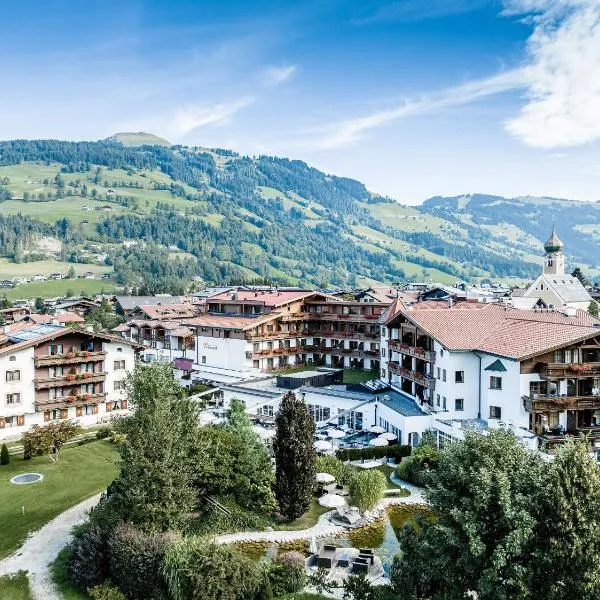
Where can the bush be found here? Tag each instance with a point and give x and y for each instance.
(4, 455)
(335, 467)
(136, 560)
(287, 574)
(88, 557)
(395, 451)
(417, 467)
(367, 488)
(103, 433)
(195, 568)
(105, 591)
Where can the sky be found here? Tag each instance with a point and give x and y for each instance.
(416, 98)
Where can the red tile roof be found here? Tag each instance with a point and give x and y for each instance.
(66, 317)
(493, 328)
(169, 311)
(268, 298)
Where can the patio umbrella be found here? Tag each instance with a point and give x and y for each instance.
(336, 434)
(331, 501)
(325, 478)
(323, 445)
(376, 429)
(378, 442)
(388, 435)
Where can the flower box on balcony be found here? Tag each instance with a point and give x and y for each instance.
(404, 346)
(87, 375)
(70, 354)
(71, 399)
(71, 377)
(419, 350)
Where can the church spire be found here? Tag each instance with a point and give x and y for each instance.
(553, 244)
(554, 262)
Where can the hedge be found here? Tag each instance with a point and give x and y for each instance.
(397, 451)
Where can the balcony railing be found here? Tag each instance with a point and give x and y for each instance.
(342, 335)
(68, 358)
(66, 401)
(551, 439)
(66, 380)
(416, 376)
(543, 403)
(330, 316)
(572, 370)
(416, 351)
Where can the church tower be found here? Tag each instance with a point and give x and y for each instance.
(554, 261)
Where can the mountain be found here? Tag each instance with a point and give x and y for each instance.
(138, 139)
(164, 215)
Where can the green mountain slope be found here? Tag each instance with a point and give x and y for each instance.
(140, 138)
(161, 216)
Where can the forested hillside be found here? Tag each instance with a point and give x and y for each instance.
(164, 215)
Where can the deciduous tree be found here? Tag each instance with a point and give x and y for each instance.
(49, 438)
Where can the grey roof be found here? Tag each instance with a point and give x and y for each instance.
(566, 287)
(32, 333)
(250, 390)
(401, 403)
(336, 391)
(131, 302)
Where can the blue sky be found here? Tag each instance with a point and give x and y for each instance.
(414, 97)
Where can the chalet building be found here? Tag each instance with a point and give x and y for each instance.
(50, 373)
(243, 333)
(474, 365)
(13, 314)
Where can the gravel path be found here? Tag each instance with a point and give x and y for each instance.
(42, 547)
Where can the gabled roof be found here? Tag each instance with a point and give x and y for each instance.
(168, 311)
(496, 366)
(270, 298)
(500, 330)
(566, 287)
(66, 317)
(130, 302)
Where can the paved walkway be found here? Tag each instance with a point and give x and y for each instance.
(42, 547)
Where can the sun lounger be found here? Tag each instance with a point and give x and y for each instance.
(360, 565)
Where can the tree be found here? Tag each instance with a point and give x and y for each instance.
(593, 309)
(484, 494)
(49, 438)
(367, 488)
(577, 272)
(567, 557)
(153, 490)
(295, 457)
(4, 455)
(195, 568)
(103, 318)
(71, 272)
(40, 305)
(358, 587)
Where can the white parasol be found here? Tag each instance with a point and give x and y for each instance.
(378, 442)
(331, 501)
(323, 445)
(376, 429)
(325, 478)
(388, 435)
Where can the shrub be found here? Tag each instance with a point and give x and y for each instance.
(105, 591)
(195, 568)
(88, 557)
(395, 451)
(417, 467)
(102, 433)
(136, 560)
(367, 488)
(287, 574)
(4, 455)
(335, 467)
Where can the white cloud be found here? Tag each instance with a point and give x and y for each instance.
(278, 75)
(190, 117)
(350, 131)
(562, 73)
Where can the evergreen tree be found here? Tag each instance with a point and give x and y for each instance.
(577, 272)
(295, 457)
(4, 455)
(593, 309)
(153, 490)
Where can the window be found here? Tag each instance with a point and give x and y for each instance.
(13, 375)
(88, 409)
(459, 404)
(442, 352)
(437, 399)
(256, 347)
(256, 364)
(87, 388)
(204, 360)
(459, 376)
(12, 359)
(119, 385)
(56, 371)
(443, 402)
(495, 383)
(13, 398)
(495, 412)
(55, 349)
(119, 349)
(55, 393)
(444, 375)
(438, 372)
(383, 352)
(119, 365)
(382, 373)
(87, 346)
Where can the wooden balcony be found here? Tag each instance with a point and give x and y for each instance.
(67, 380)
(66, 401)
(342, 335)
(541, 403)
(278, 351)
(69, 358)
(569, 371)
(416, 351)
(551, 441)
(331, 316)
(416, 376)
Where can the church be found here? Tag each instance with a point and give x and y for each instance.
(553, 287)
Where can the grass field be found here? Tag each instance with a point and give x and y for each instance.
(353, 376)
(10, 269)
(54, 289)
(308, 519)
(81, 472)
(14, 587)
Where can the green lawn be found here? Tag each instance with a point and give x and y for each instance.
(308, 519)
(81, 472)
(353, 376)
(15, 587)
(10, 269)
(53, 289)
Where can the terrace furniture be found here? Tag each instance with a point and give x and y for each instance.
(365, 550)
(326, 557)
(360, 565)
(370, 558)
(343, 560)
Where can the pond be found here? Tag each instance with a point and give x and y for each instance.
(26, 478)
(382, 536)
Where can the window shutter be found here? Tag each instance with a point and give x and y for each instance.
(78, 411)
(123, 404)
(21, 420)
(94, 409)
(108, 407)
(2, 423)
(46, 416)
(64, 413)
